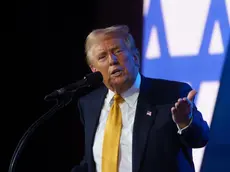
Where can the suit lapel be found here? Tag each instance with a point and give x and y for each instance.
(97, 102)
(144, 119)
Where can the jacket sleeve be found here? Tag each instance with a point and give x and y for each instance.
(197, 134)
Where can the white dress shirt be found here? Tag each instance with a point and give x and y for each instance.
(128, 109)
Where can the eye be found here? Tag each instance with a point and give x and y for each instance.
(101, 57)
(117, 51)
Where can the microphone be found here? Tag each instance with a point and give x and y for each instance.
(90, 80)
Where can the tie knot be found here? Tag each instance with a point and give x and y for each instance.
(118, 98)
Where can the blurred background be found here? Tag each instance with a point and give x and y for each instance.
(43, 50)
(188, 41)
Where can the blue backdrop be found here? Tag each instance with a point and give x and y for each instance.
(186, 40)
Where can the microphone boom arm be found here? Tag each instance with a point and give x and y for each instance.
(63, 101)
(63, 97)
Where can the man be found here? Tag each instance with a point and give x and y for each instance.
(133, 123)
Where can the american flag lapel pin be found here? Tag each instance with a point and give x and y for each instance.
(149, 113)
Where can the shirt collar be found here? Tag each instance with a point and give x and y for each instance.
(130, 96)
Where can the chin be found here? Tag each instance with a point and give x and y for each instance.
(118, 81)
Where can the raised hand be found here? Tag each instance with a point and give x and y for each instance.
(181, 112)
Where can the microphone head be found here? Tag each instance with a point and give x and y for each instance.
(94, 79)
(91, 80)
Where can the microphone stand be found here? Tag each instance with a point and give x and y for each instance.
(61, 102)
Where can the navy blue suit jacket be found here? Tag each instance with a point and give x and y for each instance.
(157, 147)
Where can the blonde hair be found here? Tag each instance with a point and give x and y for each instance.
(114, 31)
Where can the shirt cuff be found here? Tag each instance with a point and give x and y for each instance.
(180, 130)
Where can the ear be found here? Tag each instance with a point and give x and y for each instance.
(136, 57)
(93, 69)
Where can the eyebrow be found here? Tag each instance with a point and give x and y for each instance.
(114, 47)
(102, 51)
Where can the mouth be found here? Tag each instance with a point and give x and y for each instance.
(116, 72)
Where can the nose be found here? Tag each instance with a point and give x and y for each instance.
(113, 60)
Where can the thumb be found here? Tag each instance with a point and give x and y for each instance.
(191, 95)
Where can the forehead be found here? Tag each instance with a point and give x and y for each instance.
(108, 43)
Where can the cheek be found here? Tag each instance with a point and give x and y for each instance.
(104, 73)
(128, 64)
(103, 69)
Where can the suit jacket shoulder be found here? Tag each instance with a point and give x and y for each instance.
(93, 94)
(164, 91)
(91, 100)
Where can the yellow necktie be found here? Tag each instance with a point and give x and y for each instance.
(110, 150)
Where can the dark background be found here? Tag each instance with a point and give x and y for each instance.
(42, 47)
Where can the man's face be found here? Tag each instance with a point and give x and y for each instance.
(116, 62)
